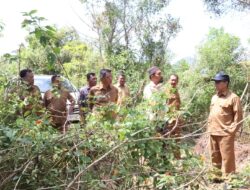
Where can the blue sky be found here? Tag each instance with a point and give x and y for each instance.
(194, 19)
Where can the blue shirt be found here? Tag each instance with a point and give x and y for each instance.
(84, 91)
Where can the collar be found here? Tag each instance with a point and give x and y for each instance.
(28, 86)
(118, 85)
(104, 88)
(155, 85)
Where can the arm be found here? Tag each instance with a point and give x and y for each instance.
(178, 101)
(146, 93)
(91, 99)
(80, 99)
(38, 93)
(116, 100)
(238, 116)
(45, 100)
(128, 92)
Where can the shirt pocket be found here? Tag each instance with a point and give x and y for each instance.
(226, 109)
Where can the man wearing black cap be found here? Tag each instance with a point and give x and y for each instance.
(105, 92)
(224, 121)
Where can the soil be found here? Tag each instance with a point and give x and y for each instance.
(242, 149)
(242, 154)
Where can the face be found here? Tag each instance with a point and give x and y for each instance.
(121, 80)
(156, 78)
(107, 80)
(29, 78)
(93, 80)
(173, 80)
(221, 86)
(57, 82)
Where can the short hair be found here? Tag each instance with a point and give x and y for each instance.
(24, 72)
(177, 77)
(53, 78)
(121, 73)
(104, 72)
(152, 71)
(89, 75)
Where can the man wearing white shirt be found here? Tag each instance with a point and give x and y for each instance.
(155, 83)
(152, 89)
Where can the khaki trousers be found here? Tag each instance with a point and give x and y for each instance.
(222, 153)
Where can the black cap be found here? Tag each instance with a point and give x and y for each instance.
(152, 70)
(221, 76)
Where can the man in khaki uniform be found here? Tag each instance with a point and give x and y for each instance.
(104, 93)
(174, 104)
(123, 90)
(174, 101)
(224, 121)
(29, 93)
(55, 100)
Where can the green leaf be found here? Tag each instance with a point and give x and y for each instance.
(32, 12)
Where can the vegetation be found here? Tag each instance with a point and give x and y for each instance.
(126, 152)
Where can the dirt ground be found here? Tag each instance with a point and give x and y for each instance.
(242, 149)
(242, 154)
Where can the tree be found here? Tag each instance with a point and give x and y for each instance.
(219, 51)
(48, 58)
(219, 7)
(50, 48)
(140, 27)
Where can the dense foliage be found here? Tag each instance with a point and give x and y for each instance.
(126, 152)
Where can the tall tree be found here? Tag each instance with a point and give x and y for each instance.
(220, 7)
(222, 51)
(141, 27)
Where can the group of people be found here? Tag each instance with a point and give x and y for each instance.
(54, 100)
(224, 120)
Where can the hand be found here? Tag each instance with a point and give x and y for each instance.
(232, 130)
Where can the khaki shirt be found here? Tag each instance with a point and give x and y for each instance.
(174, 103)
(31, 96)
(174, 100)
(56, 102)
(100, 96)
(123, 94)
(225, 114)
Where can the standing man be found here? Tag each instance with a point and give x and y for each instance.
(55, 100)
(155, 84)
(29, 93)
(123, 90)
(174, 104)
(224, 121)
(84, 92)
(104, 93)
(153, 88)
(174, 100)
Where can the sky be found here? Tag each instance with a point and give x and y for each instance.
(194, 19)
